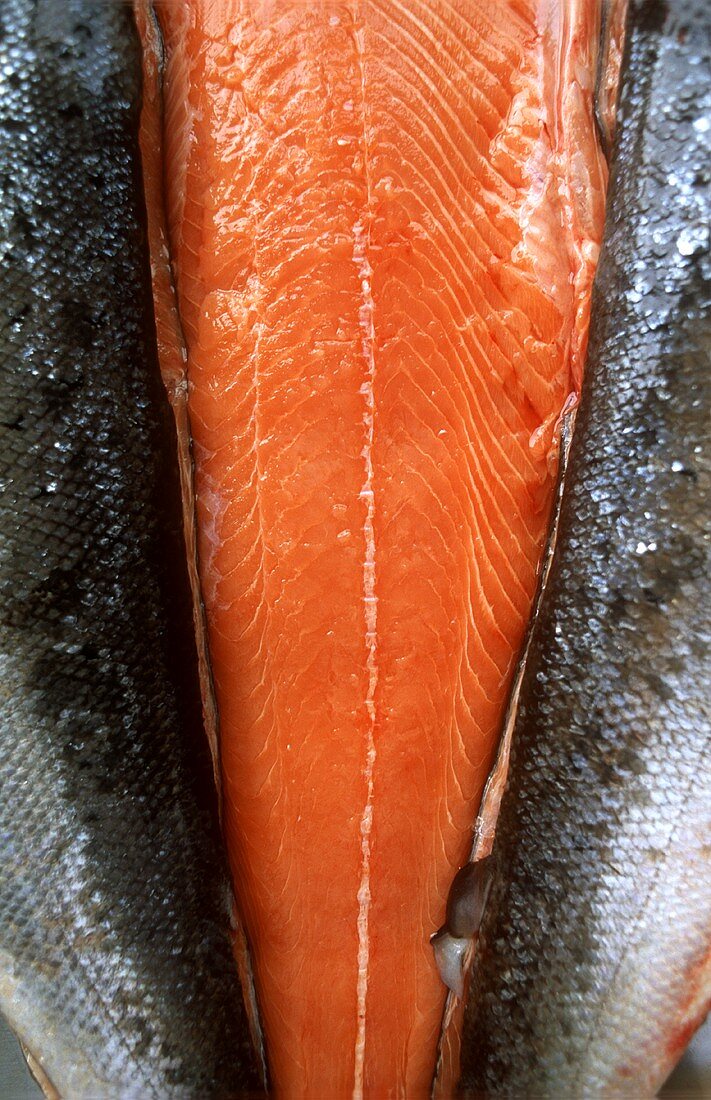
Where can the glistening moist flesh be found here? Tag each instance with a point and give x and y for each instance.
(383, 263)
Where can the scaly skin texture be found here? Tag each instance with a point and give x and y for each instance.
(115, 960)
(592, 968)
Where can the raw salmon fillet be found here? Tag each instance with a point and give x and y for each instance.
(382, 220)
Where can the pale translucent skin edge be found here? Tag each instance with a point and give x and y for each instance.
(39, 1075)
(31, 1022)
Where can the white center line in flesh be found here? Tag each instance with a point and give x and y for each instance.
(361, 242)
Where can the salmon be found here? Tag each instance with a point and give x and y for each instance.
(381, 223)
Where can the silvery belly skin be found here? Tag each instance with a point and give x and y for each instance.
(116, 968)
(592, 968)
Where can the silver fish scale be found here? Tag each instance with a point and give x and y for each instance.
(116, 967)
(592, 968)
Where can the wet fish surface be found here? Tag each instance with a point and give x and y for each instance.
(383, 250)
(116, 968)
(592, 968)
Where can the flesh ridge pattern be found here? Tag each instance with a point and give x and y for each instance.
(383, 220)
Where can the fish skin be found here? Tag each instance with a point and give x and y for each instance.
(115, 960)
(592, 968)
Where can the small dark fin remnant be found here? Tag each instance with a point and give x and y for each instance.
(465, 908)
(467, 898)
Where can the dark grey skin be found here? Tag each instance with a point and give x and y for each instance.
(116, 968)
(592, 965)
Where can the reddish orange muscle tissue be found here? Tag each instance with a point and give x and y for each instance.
(381, 220)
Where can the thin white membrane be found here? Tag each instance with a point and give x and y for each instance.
(366, 317)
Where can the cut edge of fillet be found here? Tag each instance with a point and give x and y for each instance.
(172, 355)
(563, 29)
